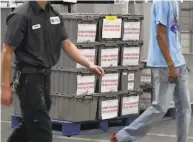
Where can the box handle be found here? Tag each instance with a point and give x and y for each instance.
(79, 97)
(84, 97)
(88, 97)
(112, 69)
(83, 71)
(111, 95)
(64, 69)
(65, 95)
(133, 43)
(88, 45)
(133, 17)
(89, 19)
(110, 44)
(93, 18)
(129, 68)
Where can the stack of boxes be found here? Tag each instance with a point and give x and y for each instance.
(111, 41)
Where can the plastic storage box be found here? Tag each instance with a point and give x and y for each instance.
(129, 103)
(130, 80)
(87, 50)
(132, 25)
(110, 81)
(108, 54)
(130, 53)
(81, 27)
(73, 108)
(61, 106)
(68, 107)
(108, 106)
(68, 81)
(110, 28)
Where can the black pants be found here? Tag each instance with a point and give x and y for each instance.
(35, 103)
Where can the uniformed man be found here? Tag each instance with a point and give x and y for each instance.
(35, 33)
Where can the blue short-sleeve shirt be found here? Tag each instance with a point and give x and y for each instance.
(166, 13)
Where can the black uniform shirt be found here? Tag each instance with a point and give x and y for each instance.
(36, 34)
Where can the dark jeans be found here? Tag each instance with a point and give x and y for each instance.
(35, 103)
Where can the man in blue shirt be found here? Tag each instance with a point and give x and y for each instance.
(170, 76)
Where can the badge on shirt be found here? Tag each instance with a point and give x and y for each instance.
(55, 20)
(37, 26)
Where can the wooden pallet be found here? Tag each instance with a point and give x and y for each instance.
(67, 128)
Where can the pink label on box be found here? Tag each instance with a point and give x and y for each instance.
(109, 57)
(130, 105)
(86, 33)
(85, 85)
(131, 56)
(131, 31)
(109, 109)
(109, 82)
(111, 28)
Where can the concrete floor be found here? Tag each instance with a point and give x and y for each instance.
(162, 132)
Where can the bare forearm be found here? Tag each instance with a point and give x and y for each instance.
(74, 54)
(6, 65)
(164, 49)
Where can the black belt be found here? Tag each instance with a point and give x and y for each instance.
(31, 70)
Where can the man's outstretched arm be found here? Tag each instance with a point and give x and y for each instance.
(74, 54)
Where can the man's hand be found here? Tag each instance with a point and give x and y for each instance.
(96, 70)
(172, 75)
(6, 97)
